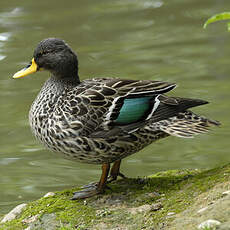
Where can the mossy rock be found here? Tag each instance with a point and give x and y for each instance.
(166, 200)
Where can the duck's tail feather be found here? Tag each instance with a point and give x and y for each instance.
(186, 124)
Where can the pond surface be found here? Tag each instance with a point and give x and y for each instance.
(148, 39)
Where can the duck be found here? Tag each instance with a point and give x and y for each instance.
(103, 120)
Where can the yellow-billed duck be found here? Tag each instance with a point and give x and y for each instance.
(103, 120)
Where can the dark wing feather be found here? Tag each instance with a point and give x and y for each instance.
(106, 98)
(170, 106)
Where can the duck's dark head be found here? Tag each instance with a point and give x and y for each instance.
(54, 55)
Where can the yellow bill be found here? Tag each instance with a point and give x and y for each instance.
(32, 68)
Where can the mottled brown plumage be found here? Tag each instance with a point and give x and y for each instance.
(103, 120)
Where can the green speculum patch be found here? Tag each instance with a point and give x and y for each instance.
(133, 110)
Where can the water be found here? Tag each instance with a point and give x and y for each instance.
(148, 39)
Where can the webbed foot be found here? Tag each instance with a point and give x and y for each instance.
(94, 188)
(89, 191)
(114, 177)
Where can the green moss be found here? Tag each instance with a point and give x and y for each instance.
(67, 211)
(175, 190)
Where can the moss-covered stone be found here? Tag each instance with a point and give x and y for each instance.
(159, 201)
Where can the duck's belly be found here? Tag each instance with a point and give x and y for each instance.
(85, 149)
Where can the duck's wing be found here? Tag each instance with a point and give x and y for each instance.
(119, 105)
(111, 107)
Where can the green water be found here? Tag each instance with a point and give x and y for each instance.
(147, 39)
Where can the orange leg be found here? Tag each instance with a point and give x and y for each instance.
(104, 176)
(94, 189)
(115, 171)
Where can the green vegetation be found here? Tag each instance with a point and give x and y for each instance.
(141, 203)
(219, 17)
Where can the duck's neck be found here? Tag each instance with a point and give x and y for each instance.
(64, 81)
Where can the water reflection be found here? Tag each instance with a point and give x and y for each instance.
(148, 39)
(7, 18)
(6, 161)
